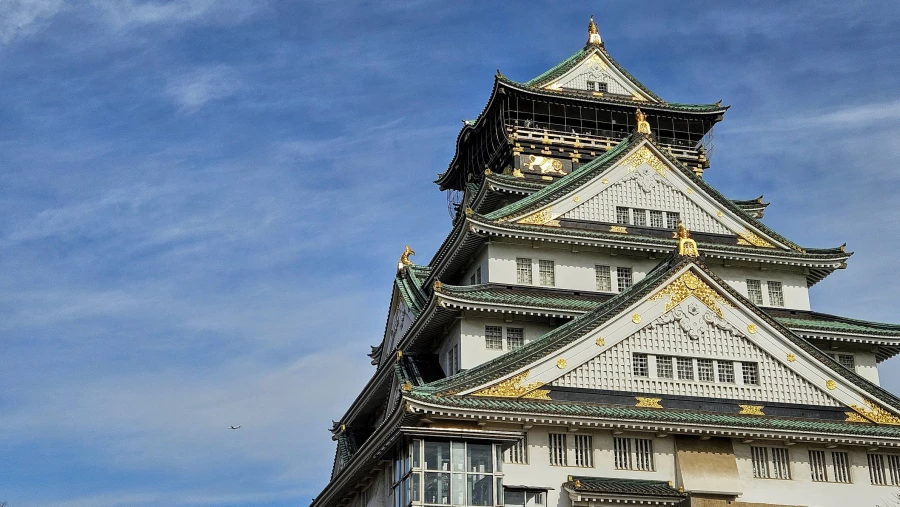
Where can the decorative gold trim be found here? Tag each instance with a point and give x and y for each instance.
(561, 363)
(469, 212)
(404, 257)
(618, 228)
(831, 384)
(576, 198)
(751, 238)
(437, 286)
(791, 358)
(604, 181)
(642, 125)
(686, 246)
(636, 318)
(513, 387)
(407, 386)
(751, 410)
(644, 155)
(854, 417)
(648, 402)
(600, 342)
(542, 217)
(690, 284)
(718, 213)
(876, 413)
(752, 329)
(517, 173)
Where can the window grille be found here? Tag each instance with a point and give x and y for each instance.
(591, 85)
(847, 361)
(456, 367)
(781, 463)
(817, 467)
(640, 216)
(643, 454)
(884, 469)
(664, 367)
(750, 372)
(633, 453)
(726, 371)
(451, 360)
(584, 451)
(518, 453)
(523, 271)
(478, 275)
(623, 278)
(754, 291)
(770, 462)
(604, 280)
(602, 87)
(558, 449)
(673, 218)
(776, 296)
(515, 337)
(685, 368)
(493, 337)
(841, 464)
(705, 370)
(640, 365)
(760, 458)
(622, 449)
(656, 219)
(547, 273)
(622, 216)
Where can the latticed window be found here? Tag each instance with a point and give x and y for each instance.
(604, 280)
(705, 370)
(547, 273)
(841, 464)
(847, 361)
(643, 454)
(623, 278)
(622, 449)
(515, 337)
(656, 219)
(602, 87)
(493, 337)
(664, 367)
(673, 218)
(685, 368)
(584, 451)
(558, 449)
(760, 458)
(622, 216)
(770, 462)
(523, 271)
(776, 296)
(726, 371)
(591, 85)
(640, 365)
(884, 469)
(750, 372)
(781, 463)
(754, 291)
(817, 468)
(518, 453)
(633, 453)
(640, 216)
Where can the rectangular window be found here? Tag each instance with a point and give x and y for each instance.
(622, 449)
(884, 469)
(781, 463)
(770, 462)
(633, 453)
(623, 278)
(640, 366)
(754, 291)
(817, 467)
(643, 454)
(750, 373)
(705, 370)
(547, 272)
(640, 216)
(451, 360)
(493, 337)
(685, 368)
(584, 451)
(760, 458)
(776, 296)
(591, 85)
(456, 367)
(664, 367)
(518, 453)
(726, 371)
(841, 465)
(515, 337)
(656, 219)
(847, 361)
(478, 275)
(558, 449)
(604, 280)
(602, 87)
(622, 216)
(673, 219)
(523, 271)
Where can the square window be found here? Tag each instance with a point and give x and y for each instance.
(847, 361)
(656, 219)
(523, 271)
(493, 337)
(623, 278)
(622, 216)
(640, 216)
(754, 291)
(602, 87)
(776, 296)
(705, 370)
(664, 367)
(604, 280)
(750, 373)
(640, 365)
(591, 85)
(547, 273)
(685, 368)
(515, 337)
(726, 371)
(673, 218)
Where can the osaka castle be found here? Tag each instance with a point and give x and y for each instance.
(602, 327)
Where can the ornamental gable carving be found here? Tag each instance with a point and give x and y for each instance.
(596, 69)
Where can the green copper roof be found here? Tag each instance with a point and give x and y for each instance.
(526, 296)
(834, 323)
(619, 486)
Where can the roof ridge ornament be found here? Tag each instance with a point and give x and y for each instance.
(687, 247)
(404, 258)
(593, 33)
(643, 126)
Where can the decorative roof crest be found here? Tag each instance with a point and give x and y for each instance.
(687, 247)
(642, 125)
(404, 258)
(593, 33)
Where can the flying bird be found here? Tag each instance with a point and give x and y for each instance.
(235, 427)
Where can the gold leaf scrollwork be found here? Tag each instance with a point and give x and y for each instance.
(751, 410)
(854, 417)
(645, 156)
(831, 384)
(690, 284)
(600, 342)
(751, 328)
(542, 217)
(561, 363)
(648, 402)
(636, 318)
(748, 237)
(618, 228)
(514, 387)
(875, 413)
(791, 358)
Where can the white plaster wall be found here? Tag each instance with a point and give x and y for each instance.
(473, 348)
(574, 270)
(867, 366)
(452, 338)
(480, 261)
(793, 285)
(801, 490)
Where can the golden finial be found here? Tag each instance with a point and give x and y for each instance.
(686, 246)
(404, 258)
(593, 33)
(642, 126)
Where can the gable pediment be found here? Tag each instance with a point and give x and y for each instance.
(595, 69)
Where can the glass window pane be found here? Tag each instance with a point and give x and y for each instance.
(498, 458)
(514, 498)
(459, 489)
(415, 449)
(499, 491)
(459, 457)
(481, 489)
(437, 456)
(414, 485)
(479, 456)
(437, 488)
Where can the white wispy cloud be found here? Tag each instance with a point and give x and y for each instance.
(123, 14)
(193, 90)
(22, 17)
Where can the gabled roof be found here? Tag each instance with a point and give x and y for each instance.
(619, 486)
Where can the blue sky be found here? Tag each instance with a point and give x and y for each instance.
(202, 204)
